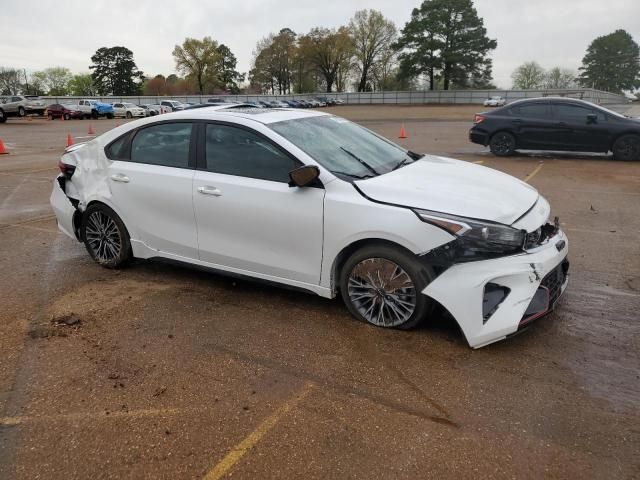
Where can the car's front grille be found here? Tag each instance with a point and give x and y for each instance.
(554, 281)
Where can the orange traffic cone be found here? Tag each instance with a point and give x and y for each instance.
(3, 151)
(90, 131)
(403, 134)
(69, 140)
(62, 117)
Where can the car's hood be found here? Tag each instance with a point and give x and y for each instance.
(453, 186)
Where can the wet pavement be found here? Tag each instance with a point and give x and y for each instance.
(159, 371)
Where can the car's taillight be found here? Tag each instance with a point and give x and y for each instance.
(478, 118)
(66, 169)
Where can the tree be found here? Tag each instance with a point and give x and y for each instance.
(10, 81)
(328, 51)
(82, 85)
(528, 76)
(155, 86)
(115, 72)
(227, 74)
(446, 38)
(372, 35)
(612, 63)
(37, 84)
(56, 80)
(198, 59)
(560, 78)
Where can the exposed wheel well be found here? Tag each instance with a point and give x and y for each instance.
(347, 251)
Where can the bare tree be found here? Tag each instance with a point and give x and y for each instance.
(372, 34)
(560, 78)
(328, 50)
(528, 76)
(10, 81)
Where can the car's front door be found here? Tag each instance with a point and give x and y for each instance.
(533, 125)
(588, 130)
(151, 185)
(249, 219)
(118, 110)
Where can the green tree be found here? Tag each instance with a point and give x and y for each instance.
(612, 63)
(528, 76)
(372, 35)
(446, 38)
(37, 83)
(57, 80)
(328, 51)
(228, 76)
(115, 72)
(82, 85)
(198, 60)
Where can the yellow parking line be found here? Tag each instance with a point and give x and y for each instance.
(534, 173)
(479, 162)
(254, 437)
(88, 415)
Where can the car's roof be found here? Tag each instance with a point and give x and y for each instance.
(261, 115)
(550, 98)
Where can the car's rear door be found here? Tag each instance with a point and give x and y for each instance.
(152, 183)
(588, 128)
(533, 125)
(249, 219)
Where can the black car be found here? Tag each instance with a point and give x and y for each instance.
(557, 124)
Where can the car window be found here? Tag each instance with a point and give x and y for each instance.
(532, 110)
(576, 113)
(236, 151)
(16, 99)
(165, 144)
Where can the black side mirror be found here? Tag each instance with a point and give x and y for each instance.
(592, 118)
(303, 176)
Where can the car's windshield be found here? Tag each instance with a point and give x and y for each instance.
(343, 147)
(128, 105)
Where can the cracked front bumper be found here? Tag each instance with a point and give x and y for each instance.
(461, 290)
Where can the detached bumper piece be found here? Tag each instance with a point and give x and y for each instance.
(548, 293)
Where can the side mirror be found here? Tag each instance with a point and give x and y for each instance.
(592, 118)
(303, 176)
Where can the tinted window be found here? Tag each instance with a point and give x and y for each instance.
(117, 150)
(575, 113)
(236, 151)
(532, 110)
(166, 144)
(16, 99)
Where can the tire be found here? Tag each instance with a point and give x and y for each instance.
(21, 112)
(129, 115)
(67, 116)
(110, 116)
(627, 148)
(3, 117)
(105, 237)
(502, 144)
(365, 279)
(94, 114)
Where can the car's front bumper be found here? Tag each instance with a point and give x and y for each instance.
(63, 209)
(533, 282)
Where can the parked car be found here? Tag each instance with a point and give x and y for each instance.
(95, 109)
(314, 103)
(265, 104)
(339, 101)
(321, 102)
(172, 105)
(150, 110)
(20, 106)
(216, 100)
(304, 104)
(58, 110)
(128, 110)
(557, 124)
(319, 203)
(495, 102)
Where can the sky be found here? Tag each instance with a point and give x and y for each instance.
(46, 33)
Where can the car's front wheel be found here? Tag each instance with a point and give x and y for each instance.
(502, 144)
(382, 285)
(105, 236)
(21, 112)
(627, 148)
(129, 115)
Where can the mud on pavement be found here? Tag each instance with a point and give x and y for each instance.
(159, 371)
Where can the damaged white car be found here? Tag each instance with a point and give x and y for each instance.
(316, 202)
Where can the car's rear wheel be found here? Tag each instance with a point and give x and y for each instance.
(105, 236)
(94, 114)
(21, 112)
(382, 285)
(129, 115)
(502, 144)
(67, 116)
(3, 117)
(110, 116)
(627, 148)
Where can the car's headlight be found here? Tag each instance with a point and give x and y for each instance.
(476, 231)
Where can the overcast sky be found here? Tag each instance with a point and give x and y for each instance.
(40, 34)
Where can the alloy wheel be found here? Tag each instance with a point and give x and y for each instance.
(103, 237)
(382, 292)
(503, 143)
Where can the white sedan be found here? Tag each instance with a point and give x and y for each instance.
(316, 202)
(495, 102)
(128, 110)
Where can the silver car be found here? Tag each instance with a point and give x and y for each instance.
(20, 106)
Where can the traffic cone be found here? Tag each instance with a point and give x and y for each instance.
(62, 117)
(403, 134)
(90, 131)
(69, 140)
(3, 151)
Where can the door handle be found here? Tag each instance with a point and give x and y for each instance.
(207, 190)
(119, 177)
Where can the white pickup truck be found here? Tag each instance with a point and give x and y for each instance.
(95, 109)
